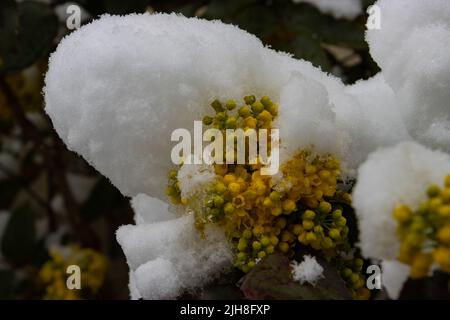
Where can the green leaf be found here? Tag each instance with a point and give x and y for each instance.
(6, 284)
(344, 33)
(305, 18)
(98, 7)
(19, 238)
(225, 10)
(272, 279)
(258, 20)
(8, 190)
(103, 199)
(29, 30)
(306, 47)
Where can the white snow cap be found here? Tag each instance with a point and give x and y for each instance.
(117, 88)
(348, 9)
(149, 210)
(390, 177)
(412, 49)
(168, 258)
(309, 270)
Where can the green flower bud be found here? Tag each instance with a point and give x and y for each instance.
(230, 105)
(217, 105)
(249, 99)
(207, 120)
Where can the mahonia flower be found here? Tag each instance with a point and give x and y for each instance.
(52, 275)
(118, 87)
(404, 220)
(425, 233)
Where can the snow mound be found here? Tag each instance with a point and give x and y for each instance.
(148, 209)
(168, 258)
(411, 47)
(389, 177)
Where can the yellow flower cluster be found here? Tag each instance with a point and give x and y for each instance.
(253, 114)
(425, 233)
(261, 214)
(324, 228)
(351, 272)
(173, 189)
(52, 275)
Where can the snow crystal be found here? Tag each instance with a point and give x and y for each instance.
(148, 209)
(390, 177)
(309, 270)
(393, 275)
(348, 9)
(412, 49)
(168, 250)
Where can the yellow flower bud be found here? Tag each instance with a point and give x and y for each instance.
(443, 235)
(308, 224)
(244, 112)
(284, 247)
(234, 187)
(249, 99)
(289, 205)
(402, 213)
(230, 105)
(257, 107)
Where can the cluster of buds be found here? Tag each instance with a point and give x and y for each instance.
(425, 233)
(52, 276)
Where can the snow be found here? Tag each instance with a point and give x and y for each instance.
(157, 279)
(160, 252)
(309, 270)
(134, 291)
(375, 121)
(194, 177)
(393, 176)
(309, 116)
(412, 49)
(148, 209)
(348, 9)
(393, 276)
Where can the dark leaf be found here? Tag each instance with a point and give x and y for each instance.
(308, 48)
(104, 198)
(272, 279)
(19, 238)
(258, 19)
(305, 18)
(99, 7)
(225, 10)
(29, 33)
